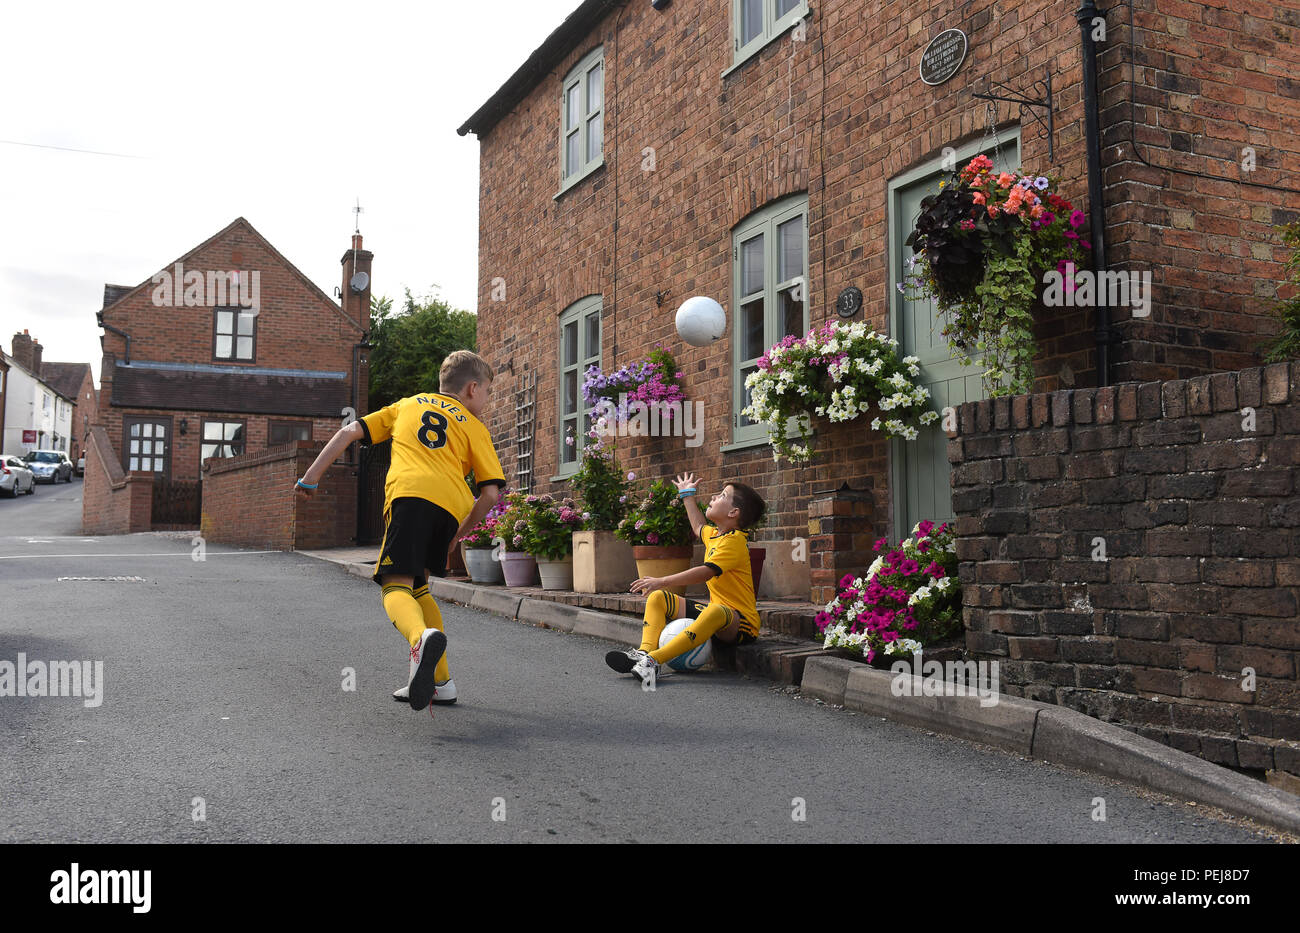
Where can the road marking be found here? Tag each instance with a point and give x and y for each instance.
(102, 579)
(186, 554)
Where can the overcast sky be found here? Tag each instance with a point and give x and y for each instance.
(283, 113)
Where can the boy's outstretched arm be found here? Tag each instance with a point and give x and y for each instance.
(687, 481)
(487, 497)
(337, 444)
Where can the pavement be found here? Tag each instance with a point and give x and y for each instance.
(1025, 727)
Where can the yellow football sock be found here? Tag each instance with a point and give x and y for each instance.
(658, 605)
(713, 619)
(404, 611)
(433, 619)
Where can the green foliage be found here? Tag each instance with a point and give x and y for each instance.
(1286, 345)
(659, 520)
(600, 487)
(409, 346)
(550, 525)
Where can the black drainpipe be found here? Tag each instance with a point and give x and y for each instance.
(120, 333)
(1087, 14)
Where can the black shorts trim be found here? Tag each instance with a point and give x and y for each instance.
(417, 536)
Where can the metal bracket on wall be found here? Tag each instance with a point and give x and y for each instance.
(1029, 106)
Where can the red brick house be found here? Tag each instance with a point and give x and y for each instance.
(228, 350)
(732, 148)
(75, 381)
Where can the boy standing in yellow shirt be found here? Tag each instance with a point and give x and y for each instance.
(437, 440)
(731, 614)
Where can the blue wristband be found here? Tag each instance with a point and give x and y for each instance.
(684, 493)
(306, 485)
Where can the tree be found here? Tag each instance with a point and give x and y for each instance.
(408, 347)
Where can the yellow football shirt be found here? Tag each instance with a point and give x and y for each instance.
(436, 442)
(732, 584)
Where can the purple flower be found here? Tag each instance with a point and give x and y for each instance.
(1076, 219)
(652, 538)
(518, 539)
(925, 527)
(631, 475)
(1041, 183)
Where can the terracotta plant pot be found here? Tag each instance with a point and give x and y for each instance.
(519, 568)
(556, 574)
(483, 567)
(656, 561)
(601, 563)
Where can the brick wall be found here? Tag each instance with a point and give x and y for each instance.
(835, 117)
(250, 500)
(113, 502)
(1190, 491)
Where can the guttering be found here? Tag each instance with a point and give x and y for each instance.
(99, 317)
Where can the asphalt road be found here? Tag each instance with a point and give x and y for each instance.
(223, 691)
(54, 509)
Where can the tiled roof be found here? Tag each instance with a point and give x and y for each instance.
(64, 378)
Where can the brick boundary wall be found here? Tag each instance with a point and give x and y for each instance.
(249, 500)
(1199, 517)
(113, 502)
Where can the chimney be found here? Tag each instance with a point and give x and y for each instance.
(37, 350)
(22, 351)
(357, 306)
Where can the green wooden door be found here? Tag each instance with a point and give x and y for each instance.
(920, 470)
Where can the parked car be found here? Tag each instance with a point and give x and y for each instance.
(15, 477)
(81, 466)
(49, 466)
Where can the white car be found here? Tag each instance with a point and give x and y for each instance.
(15, 477)
(49, 466)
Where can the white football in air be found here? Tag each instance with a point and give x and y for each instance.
(700, 321)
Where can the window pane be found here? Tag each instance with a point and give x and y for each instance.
(572, 116)
(595, 87)
(570, 392)
(148, 430)
(223, 348)
(570, 343)
(212, 430)
(593, 336)
(751, 266)
(246, 324)
(569, 452)
(233, 430)
(158, 464)
(789, 238)
(571, 154)
(134, 464)
(225, 322)
(595, 130)
(208, 450)
(160, 430)
(158, 448)
(744, 395)
(785, 6)
(791, 314)
(134, 447)
(135, 430)
(245, 348)
(751, 321)
(751, 20)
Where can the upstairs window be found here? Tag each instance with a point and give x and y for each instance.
(582, 120)
(234, 335)
(755, 23)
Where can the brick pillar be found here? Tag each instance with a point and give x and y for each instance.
(840, 535)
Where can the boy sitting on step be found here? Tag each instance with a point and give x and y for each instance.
(731, 614)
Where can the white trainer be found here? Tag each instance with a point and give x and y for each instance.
(647, 668)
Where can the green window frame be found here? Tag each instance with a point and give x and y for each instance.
(770, 296)
(579, 348)
(757, 23)
(582, 120)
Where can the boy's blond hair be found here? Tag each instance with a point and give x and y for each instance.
(461, 368)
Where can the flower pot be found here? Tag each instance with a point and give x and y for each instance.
(756, 557)
(601, 563)
(482, 566)
(556, 574)
(519, 568)
(657, 561)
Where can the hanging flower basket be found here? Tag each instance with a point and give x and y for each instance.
(620, 395)
(986, 245)
(838, 371)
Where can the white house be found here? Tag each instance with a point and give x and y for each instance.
(36, 415)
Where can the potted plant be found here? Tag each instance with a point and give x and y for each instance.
(837, 371)
(983, 243)
(908, 598)
(601, 562)
(478, 548)
(659, 532)
(517, 566)
(549, 538)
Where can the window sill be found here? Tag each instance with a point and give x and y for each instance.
(757, 50)
(744, 444)
(578, 179)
